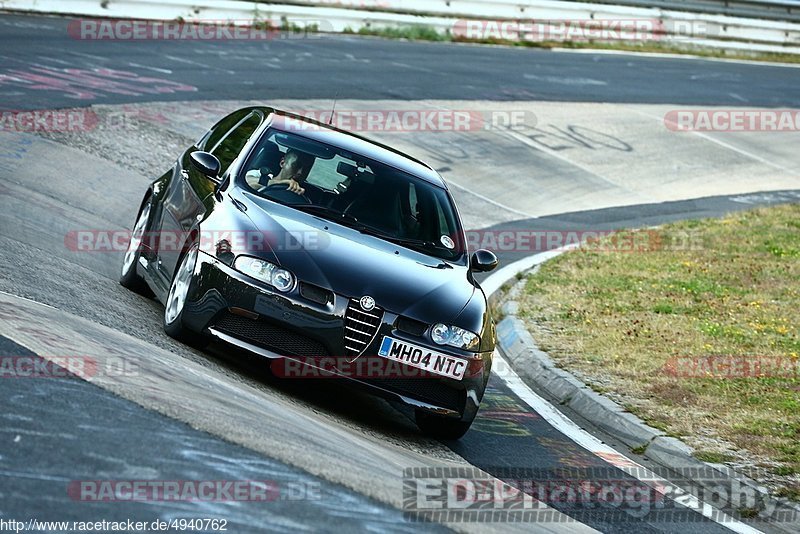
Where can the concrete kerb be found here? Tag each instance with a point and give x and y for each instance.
(539, 371)
(534, 365)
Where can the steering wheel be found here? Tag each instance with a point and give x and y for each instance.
(286, 188)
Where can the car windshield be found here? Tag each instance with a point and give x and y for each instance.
(354, 191)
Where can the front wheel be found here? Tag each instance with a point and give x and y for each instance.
(439, 426)
(129, 278)
(176, 300)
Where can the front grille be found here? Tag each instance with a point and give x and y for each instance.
(427, 390)
(360, 328)
(270, 336)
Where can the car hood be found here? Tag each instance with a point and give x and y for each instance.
(353, 264)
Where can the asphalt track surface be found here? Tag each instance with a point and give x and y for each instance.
(32, 76)
(359, 68)
(43, 456)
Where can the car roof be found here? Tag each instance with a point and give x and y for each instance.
(357, 144)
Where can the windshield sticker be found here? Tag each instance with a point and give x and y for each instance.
(447, 242)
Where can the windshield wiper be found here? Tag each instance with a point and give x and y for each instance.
(415, 244)
(407, 242)
(337, 216)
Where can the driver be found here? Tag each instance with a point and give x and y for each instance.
(294, 168)
(294, 171)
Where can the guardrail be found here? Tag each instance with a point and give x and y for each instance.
(755, 9)
(780, 10)
(550, 16)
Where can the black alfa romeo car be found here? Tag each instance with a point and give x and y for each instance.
(323, 250)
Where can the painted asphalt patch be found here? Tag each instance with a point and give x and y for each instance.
(364, 68)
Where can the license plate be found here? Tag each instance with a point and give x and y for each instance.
(422, 358)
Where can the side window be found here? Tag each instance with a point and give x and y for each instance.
(229, 148)
(218, 131)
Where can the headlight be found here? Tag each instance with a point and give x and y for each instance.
(454, 336)
(280, 279)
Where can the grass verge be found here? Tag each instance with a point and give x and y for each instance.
(700, 340)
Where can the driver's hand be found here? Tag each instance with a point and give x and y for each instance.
(294, 187)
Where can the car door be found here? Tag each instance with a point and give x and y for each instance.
(191, 194)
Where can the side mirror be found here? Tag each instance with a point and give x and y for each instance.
(483, 261)
(207, 164)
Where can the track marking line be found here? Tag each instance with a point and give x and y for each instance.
(412, 67)
(88, 56)
(489, 200)
(27, 299)
(723, 144)
(663, 55)
(155, 69)
(578, 435)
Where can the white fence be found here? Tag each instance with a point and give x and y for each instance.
(550, 16)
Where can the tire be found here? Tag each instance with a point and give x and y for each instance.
(441, 427)
(129, 278)
(176, 301)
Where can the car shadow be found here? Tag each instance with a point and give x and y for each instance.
(331, 395)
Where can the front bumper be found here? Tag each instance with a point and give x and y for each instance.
(292, 327)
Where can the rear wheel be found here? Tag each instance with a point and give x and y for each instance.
(176, 301)
(129, 277)
(440, 426)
